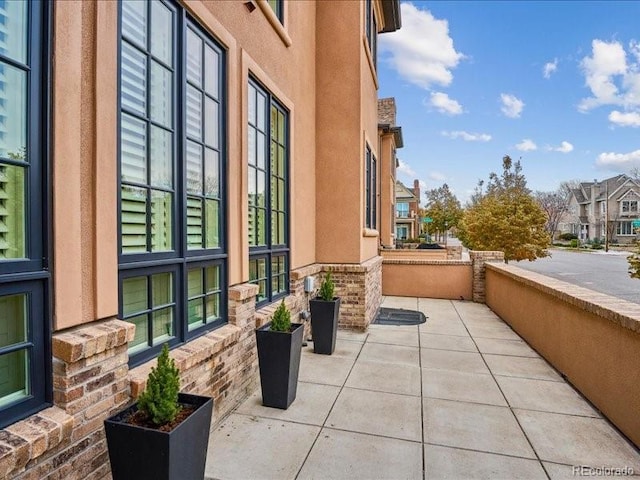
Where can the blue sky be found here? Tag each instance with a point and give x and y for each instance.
(556, 84)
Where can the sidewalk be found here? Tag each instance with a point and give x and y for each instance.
(461, 396)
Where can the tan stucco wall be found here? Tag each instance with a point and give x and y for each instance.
(591, 338)
(84, 162)
(331, 94)
(427, 279)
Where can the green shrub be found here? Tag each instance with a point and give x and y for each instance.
(567, 236)
(159, 401)
(281, 321)
(574, 243)
(327, 288)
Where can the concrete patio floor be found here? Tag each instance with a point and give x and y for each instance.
(461, 396)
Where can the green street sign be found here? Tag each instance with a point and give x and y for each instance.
(429, 220)
(635, 223)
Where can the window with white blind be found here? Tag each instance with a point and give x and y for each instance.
(172, 160)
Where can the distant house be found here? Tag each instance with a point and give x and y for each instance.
(390, 140)
(407, 205)
(601, 209)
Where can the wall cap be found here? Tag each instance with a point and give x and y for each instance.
(243, 291)
(28, 439)
(89, 339)
(188, 355)
(622, 312)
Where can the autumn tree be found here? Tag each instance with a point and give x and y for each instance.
(554, 204)
(443, 207)
(506, 217)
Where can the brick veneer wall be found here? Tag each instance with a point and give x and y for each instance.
(92, 380)
(479, 278)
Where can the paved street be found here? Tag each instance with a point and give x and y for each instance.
(606, 273)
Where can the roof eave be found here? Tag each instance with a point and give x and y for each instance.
(391, 13)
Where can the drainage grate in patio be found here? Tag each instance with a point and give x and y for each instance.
(398, 316)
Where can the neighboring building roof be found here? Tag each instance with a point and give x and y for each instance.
(403, 192)
(611, 186)
(391, 14)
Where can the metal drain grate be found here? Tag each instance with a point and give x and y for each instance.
(398, 316)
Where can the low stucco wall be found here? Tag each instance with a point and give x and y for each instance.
(591, 338)
(450, 279)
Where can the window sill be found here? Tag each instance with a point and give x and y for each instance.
(187, 356)
(372, 67)
(274, 21)
(370, 232)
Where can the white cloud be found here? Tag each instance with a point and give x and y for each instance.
(405, 168)
(422, 51)
(444, 104)
(423, 185)
(565, 147)
(622, 161)
(549, 68)
(630, 119)
(611, 79)
(466, 136)
(511, 105)
(437, 176)
(526, 145)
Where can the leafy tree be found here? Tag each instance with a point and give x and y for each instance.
(327, 288)
(443, 207)
(506, 217)
(555, 205)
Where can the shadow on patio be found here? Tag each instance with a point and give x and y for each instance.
(460, 396)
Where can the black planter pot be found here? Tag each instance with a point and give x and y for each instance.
(146, 453)
(279, 360)
(324, 324)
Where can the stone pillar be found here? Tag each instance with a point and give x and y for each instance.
(478, 260)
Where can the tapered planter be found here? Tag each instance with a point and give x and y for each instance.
(146, 453)
(279, 360)
(324, 324)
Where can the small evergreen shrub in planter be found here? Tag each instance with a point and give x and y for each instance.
(325, 312)
(165, 435)
(279, 345)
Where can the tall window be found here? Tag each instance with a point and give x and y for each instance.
(371, 30)
(268, 194)
(172, 160)
(24, 275)
(278, 8)
(371, 180)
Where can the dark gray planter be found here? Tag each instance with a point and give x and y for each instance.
(279, 361)
(324, 324)
(145, 453)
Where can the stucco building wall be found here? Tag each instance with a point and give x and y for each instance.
(317, 64)
(591, 338)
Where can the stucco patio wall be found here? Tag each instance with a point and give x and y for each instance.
(591, 338)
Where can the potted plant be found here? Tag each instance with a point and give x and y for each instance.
(165, 434)
(325, 311)
(279, 345)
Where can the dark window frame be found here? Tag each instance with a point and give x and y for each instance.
(278, 10)
(31, 275)
(270, 250)
(371, 189)
(180, 259)
(371, 31)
